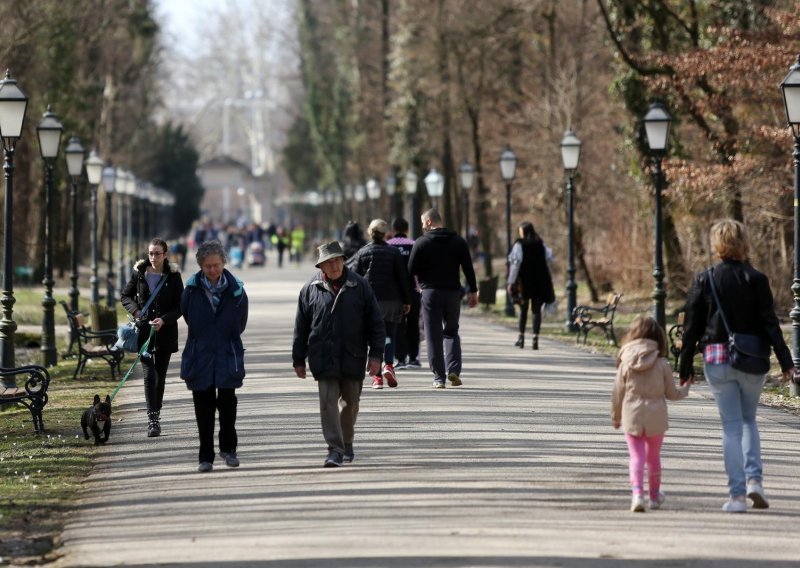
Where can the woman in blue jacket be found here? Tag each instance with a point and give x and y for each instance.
(214, 305)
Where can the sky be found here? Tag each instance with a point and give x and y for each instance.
(179, 19)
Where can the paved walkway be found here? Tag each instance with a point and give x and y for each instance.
(519, 467)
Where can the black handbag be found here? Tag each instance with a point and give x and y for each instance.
(747, 353)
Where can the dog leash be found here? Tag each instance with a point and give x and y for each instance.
(145, 345)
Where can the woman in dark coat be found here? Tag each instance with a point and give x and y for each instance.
(528, 262)
(215, 307)
(163, 315)
(747, 304)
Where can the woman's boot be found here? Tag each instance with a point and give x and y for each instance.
(520, 341)
(535, 342)
(153, 423)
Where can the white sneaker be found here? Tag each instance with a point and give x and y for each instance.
(637, 504)
(735, 505)
(656, 503)
(756, 492)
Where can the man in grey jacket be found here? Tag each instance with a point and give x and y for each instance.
(339, 328)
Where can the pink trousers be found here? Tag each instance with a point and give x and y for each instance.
(645, 450)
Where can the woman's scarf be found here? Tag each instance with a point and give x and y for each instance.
(214, 291)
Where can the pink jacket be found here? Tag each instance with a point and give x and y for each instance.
(644, 382)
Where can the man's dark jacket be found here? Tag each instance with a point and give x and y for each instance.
(748, 305)
(435, 260)
(337, 332)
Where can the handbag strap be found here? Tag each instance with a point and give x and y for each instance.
(153, 295)
(716, 299)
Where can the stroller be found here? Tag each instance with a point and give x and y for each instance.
(255, 254)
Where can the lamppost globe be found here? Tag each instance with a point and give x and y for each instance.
(94, 168)
(570, 151)
(508, 170)
(570, 155)
(391, 185)
(790, 88)
(49, 132)
(508, 164)
(410, 181)
(434, 184)
(657, 123)
(13, 104)
(373, 189)
(74, 154)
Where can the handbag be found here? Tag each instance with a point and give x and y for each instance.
(128, 333)
(747, 353)
(516, 292)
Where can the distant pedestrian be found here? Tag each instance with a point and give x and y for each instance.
(280, 241)
(638, 404)
(387, 273)
(352, 240)
(435, 260)
(747, 305)
(339, 328)
(215, 307)
(528, 269)
(407, 344)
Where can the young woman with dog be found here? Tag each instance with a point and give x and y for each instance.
(215, 306)
(155, 274)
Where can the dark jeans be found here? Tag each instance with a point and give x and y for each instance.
(407, 336)
(206, 403)
(155, 378)
(536, 310)
(441, 310)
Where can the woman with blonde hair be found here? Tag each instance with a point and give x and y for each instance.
(745, 305)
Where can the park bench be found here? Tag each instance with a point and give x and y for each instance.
(587, 318)
(675, 335)
(93, 344)
(32, 395)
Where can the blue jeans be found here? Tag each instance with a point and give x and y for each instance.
(737, 395)
(441, 310)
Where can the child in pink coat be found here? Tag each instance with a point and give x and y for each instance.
(644, 382)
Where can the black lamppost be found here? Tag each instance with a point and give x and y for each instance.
(122, 189)
(94, 174)
(656, 123)
(130, 193)
(74, 154)
(570, 154)
(109, 183)
(360, 194)
(790, 87)
(410, 181)
(467, 174)
(13, 103)
(508, 168)
(49, 132)
(434, 184)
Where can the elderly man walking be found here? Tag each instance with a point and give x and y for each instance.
(435, 261)
(339, 328)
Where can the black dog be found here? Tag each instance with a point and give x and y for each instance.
(99, 412)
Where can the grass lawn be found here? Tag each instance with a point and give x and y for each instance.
(42, 474)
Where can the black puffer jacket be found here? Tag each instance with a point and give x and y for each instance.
(166, 306)
(748, 305)
(385, 270)
(535, 275)
(337, 332)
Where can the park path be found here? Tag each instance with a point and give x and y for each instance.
(519, 467)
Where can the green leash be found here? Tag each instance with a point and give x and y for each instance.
(138, 356)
